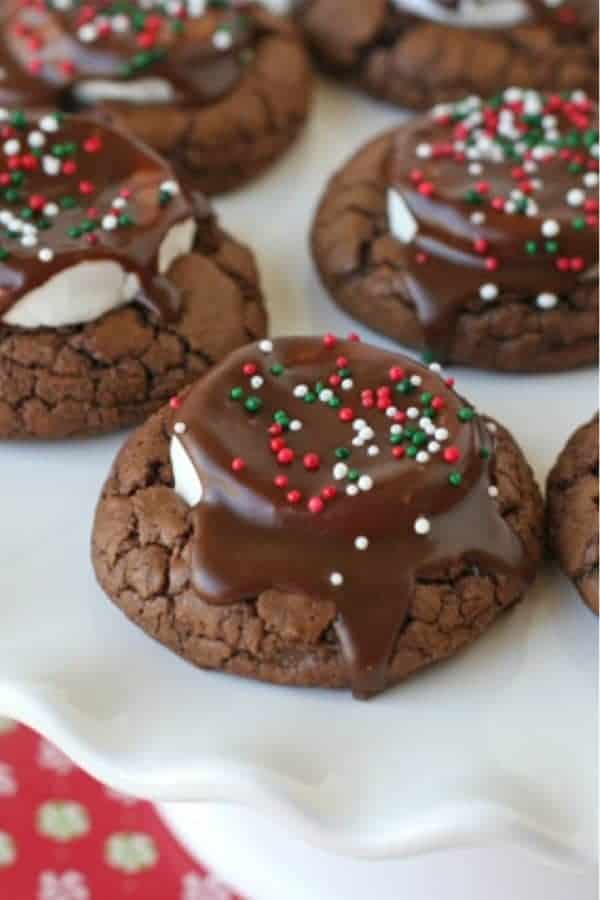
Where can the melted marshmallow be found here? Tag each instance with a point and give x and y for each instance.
(187, 484)
(88, 290)
(403, 224)
(469, 13)
(142, 90)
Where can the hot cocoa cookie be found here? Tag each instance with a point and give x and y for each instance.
(419, 52)
(117, 287)
(573, 511)
(221, 88)
(471, 232)
(318, 512)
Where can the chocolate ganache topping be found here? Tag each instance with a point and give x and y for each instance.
(339, 471)
(75, 191)
(494, 199)
(198, 49)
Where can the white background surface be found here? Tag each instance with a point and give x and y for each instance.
(500, 741)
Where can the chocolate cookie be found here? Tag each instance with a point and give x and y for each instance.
(471, 232)
(221, 88)
(318, 512)
(419, 52)
(573, 511)
(117, 286)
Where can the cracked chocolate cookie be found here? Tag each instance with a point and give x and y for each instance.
(318, 512)
(471, 232)
(221, 88)
(573, 511)
(117, 287)
(415, 53)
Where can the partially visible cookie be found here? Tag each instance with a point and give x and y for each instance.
(318, 512)
(415, 53)
(573, 489)
(221, 88)
(118, 286)
(471, 232)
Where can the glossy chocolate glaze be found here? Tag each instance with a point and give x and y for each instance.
(75, 190)
(49, 50)
(476, 237)
(252, 533)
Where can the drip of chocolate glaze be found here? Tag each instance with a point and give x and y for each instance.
(36, 42)
(441, 269)
(251, 535)
(115, 164)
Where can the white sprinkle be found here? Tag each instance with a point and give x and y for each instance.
(422, 525)
(575, 197)
(550, 228)
(36, 139)
(120, 24)
(336, 579)
(415, 380)
(590, 179)
(475, 168)
(87, 34)
(340, 470)
(435, 367)
(295, 425)
(119, 203)
(12, 147)
(433, 447)
(477, 218)
(422, 456)
(45, 255)
(412, 412)
(29, 240)
(222, 39)
(326, 395)
(493, 490)
(441, 434)
(170, 187)
(352, 490)
(257, 381)
(359, 424)
(361, 542)
(365, 483)
(48, 123)
(179, 428)
(373, 450)
(109, 222)
(357, 441)
(51, 210)
(546, 301)
(396, 429)
(266, 346)
(424, 151)
(51, 165)
(491, 427)
(391, 411)
(347, 384)
(301, 390)
(488, 291)
(366, 434)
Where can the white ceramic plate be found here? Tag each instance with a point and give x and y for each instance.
(498, 744)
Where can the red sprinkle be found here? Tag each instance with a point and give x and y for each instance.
(480, 245)
(250, 369)
(346, 414)
(451, 454)
(329, 340)
(294, 497)
(277, 444)
(329, 492)
(396, 373)
(175, 402)
(312, 461)
(281, 481)
(438, 403)
(238, 464)
(398, 452)
(285, 456)
(316, 505)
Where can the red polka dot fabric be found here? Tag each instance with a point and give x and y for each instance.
(65, 836)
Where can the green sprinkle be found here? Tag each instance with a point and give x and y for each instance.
(11, 195)
(75, 231)
(236, 393)
(551, 247)
(531, 247)
(17, 178)
(281, 417)
(253, 404)
(455, 479)
(396, 439)
(419, 438)
(334, 402)
(353, 475)
(405, 386)
(427, 357)
(578, 223)
(125, 220)
(473, 197)
(426, 398)
(465, 414)
(310, 397)
(67, 202)
(411, 451)
(484, 453)
(342, 453)
(277, 369)
(344, 373)
(26, 213)
(17, 119)
(4, 254)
